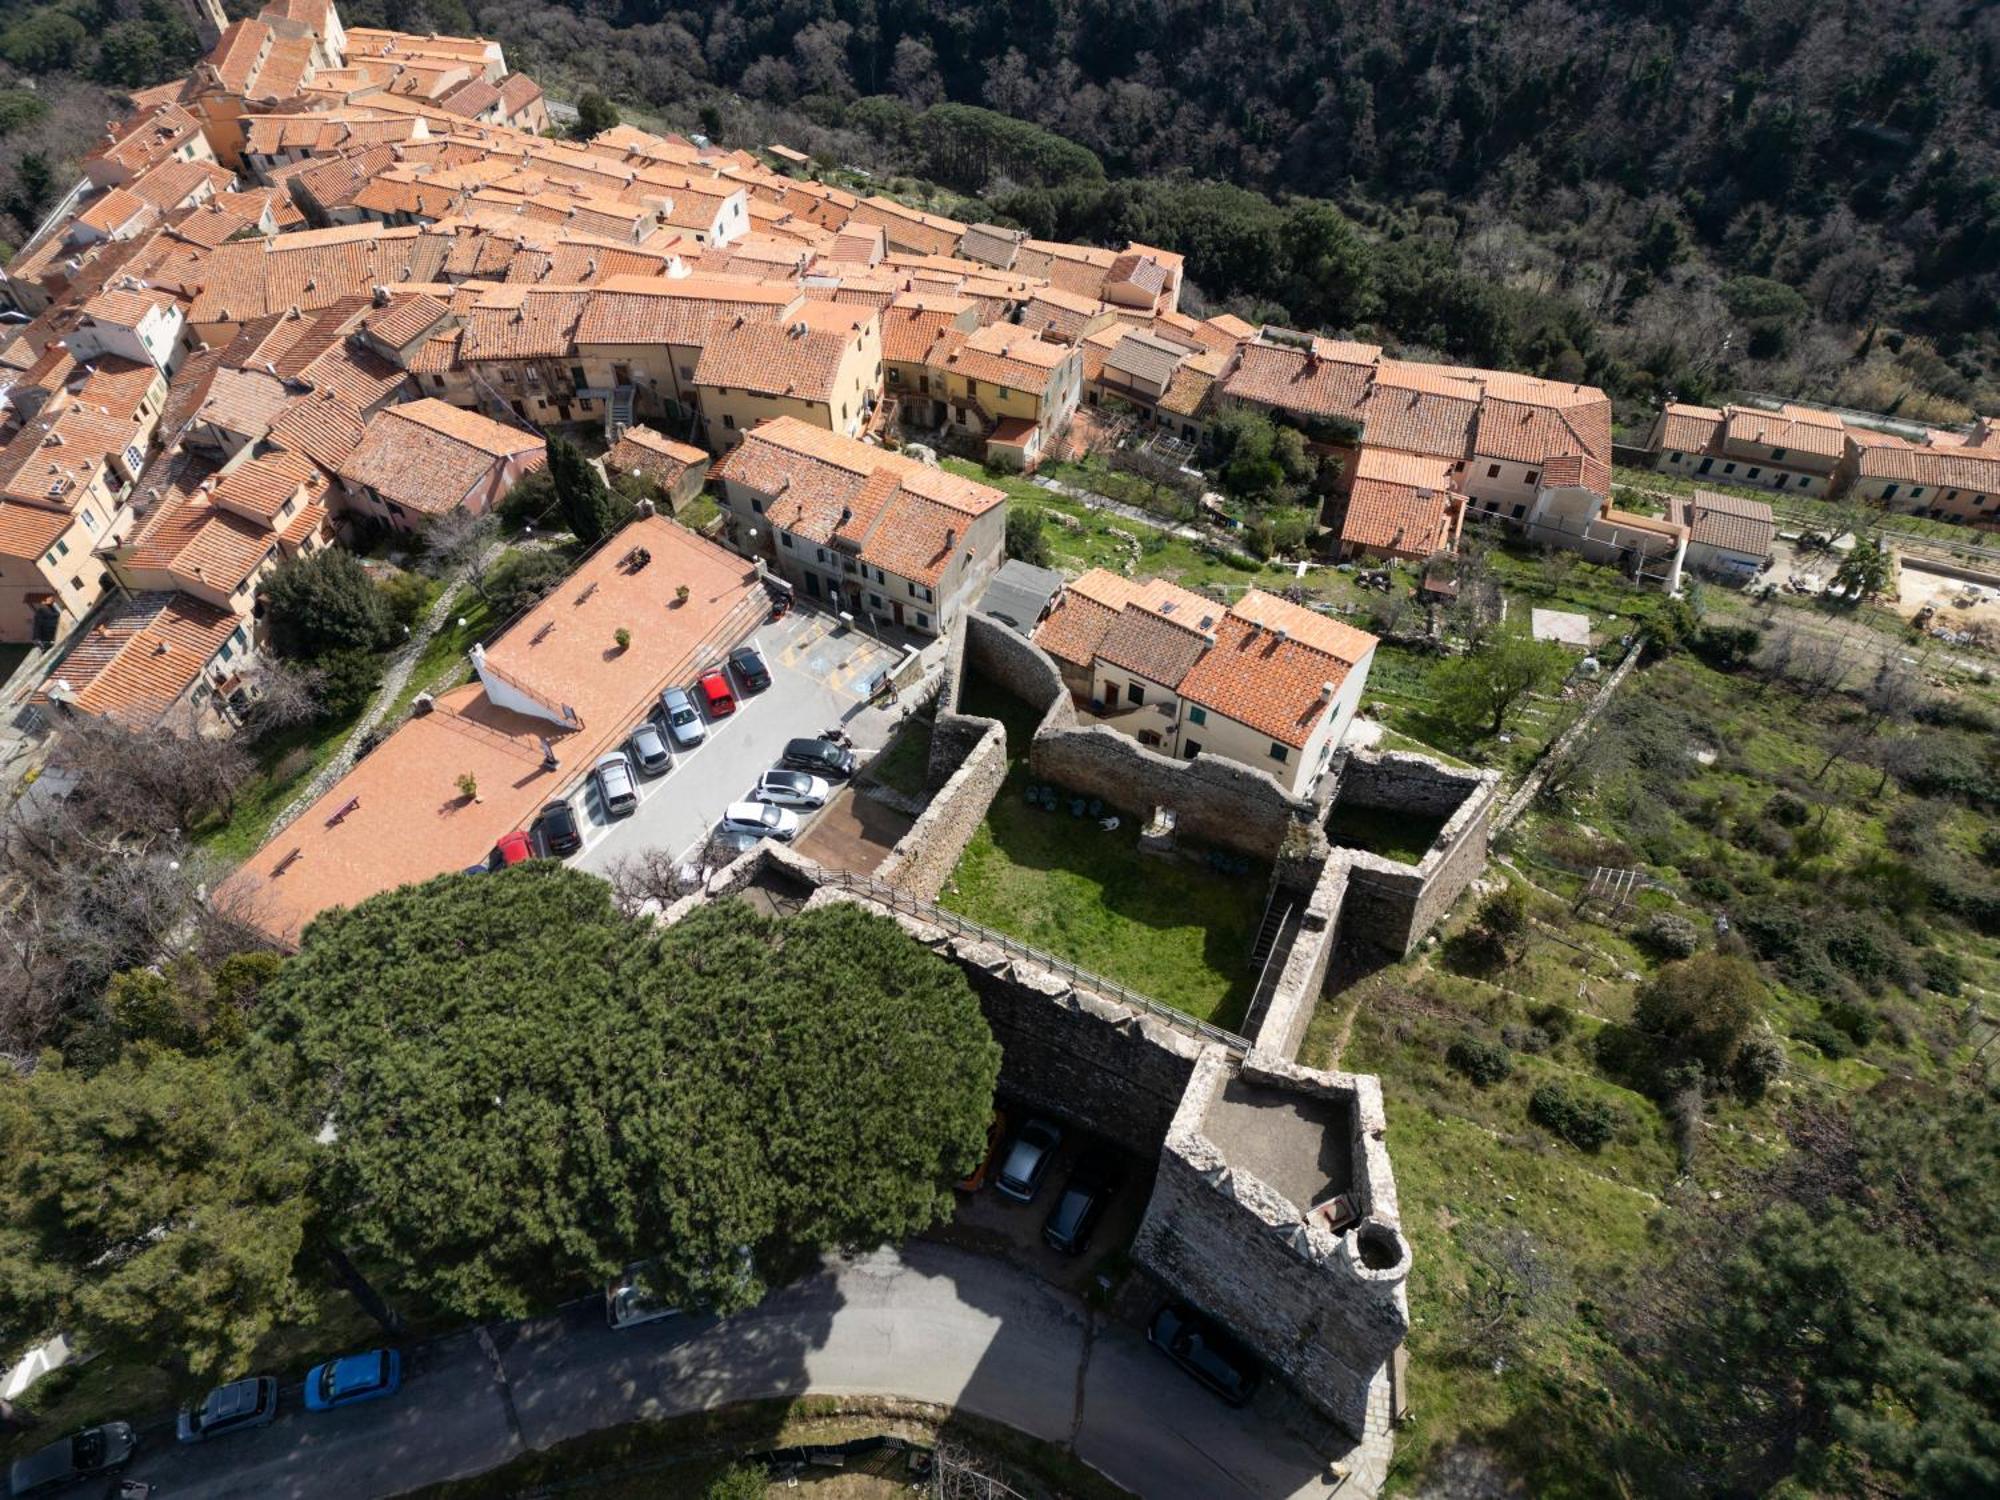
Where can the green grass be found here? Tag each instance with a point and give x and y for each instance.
(901, 767)
(1393, 835)
(285, 763)
(1168, 927)
(442, 663)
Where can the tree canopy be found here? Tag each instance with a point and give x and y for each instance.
(154, 1206)
(1481, 688)
(528, 1088)
(320, 605)
(588, 507)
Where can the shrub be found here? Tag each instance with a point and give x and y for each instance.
(1553, 1019)
(1989, 846)
(1701, 1008)
(1786, 810)
(1856, 1022)
(1760, 1062)
(1485, 1063)
(351, 679)
(1943, 971)
(1584, 1122)
(520, 580)
(1832, 1044)
(1669, 935)
(408, 595)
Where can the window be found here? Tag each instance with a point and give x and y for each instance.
(880, 576)
(1705, 463)
(923, 621)
(784, 539)
(1190, 748)
(62, 550)
(1804, 480)
(729, 421)
(1889, 491)
(1493, 471)
(1135, 694)
(1777, 455)
(1673, 458)
(1197, 715)
(1520, 511)
(756, 505)
(1752, 473)
(1953, 495)
(687, 372)
(819, 554)
(437, 382)
(228, 650)
(1533, 476)
(576, 376)
(875, 601)
(895, 376)
(1280, 753)
(89, 519)
(1917, 493)
(77, 584)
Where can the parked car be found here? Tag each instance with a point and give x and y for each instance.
(629, 1302)
(764, 819)
(229, 1408)
(1092, 1181)
(996, 1134)
(791, 789)
(683, 723)
(561, 833)
(613, 774)
(1205, 1352)
(821, 757)
(1027, 1160)
(648, 747)
(511, 850)
(95, 1450)
(716, 694)
(354, 1378)
(747, 661)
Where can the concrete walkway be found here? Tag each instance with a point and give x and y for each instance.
(927, 1323)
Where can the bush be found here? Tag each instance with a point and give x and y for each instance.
(1787, 811)
(324, 605)
(531, 502)
(1943, 971)
(521, 580)
(1584, 1122)
(1701, 1008)
(408, 595)
(1553, 1019)
(1832, 1044)
(1760, 1062)
(1485, 1063)
(1668, 934)
(1989, 846)
(1025, 538)
(351, 680)
(1856, 1022)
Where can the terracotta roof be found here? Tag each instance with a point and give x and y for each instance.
(1003, 354)
(173, 182)
(683, 310)
(793, 358)
(257, 488)
(1735, 523)
(115, 208)
(1063, 314)
(1961, 467)
(659, 458)
(912, 323)
(139, 656)
(195, 540)
(1295, 380)
(1145, 357)
(1158, 648)
(1573, 471)
(1399, 520)
(1796, 429)
(1091, 604)
(991, 244)
(514, 322)
(891, 511)
(28, 531)
(429, 456)
(517, 92)
(911, 228)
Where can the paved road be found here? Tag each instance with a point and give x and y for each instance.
(817, 674)
(928, 1323)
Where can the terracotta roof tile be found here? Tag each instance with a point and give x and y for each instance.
(429, 456)
(139, 657)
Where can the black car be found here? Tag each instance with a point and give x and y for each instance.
(821, 757)
(1027, 1159)
(1205, 1352)
(95, 1450)
(748, 663)
(1091, 1183)
(560, 833)
(229, 1408)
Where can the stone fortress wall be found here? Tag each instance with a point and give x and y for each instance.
(1274, 1204)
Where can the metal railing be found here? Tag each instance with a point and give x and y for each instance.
(1084, 979)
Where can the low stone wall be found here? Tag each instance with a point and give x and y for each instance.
(1283, 1024)
(924, 857)
(1020, 666)
(1403, 782)
(1214, 801)
(1303, 1299)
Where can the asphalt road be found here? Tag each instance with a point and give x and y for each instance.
(928, 1323)
(815, 676)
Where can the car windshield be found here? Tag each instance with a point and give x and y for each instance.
(89, 1449)
(1198, 1353)
(787, 781)
(1021, 1161)
(1069, 1211)
(684, 714)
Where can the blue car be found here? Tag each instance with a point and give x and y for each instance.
(353, 1378)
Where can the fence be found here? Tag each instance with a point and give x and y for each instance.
(1084, 979)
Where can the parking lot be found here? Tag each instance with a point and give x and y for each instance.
(995, 1224)
(820, 672)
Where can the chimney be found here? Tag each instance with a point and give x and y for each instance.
(1327, 691)
(950, 537)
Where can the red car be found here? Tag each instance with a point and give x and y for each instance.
(511, 850)
(716, 696)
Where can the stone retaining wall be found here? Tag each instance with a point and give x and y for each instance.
(1391, 904)
(1286, 1014)
(925, 856)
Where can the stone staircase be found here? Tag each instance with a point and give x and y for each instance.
(617, 413)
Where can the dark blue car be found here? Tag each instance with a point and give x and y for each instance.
(354, 1378)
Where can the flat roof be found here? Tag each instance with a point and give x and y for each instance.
(399, 817)
(1300, 1144)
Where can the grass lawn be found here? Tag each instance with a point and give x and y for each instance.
(1170, 928)
(284, 764)
(442, 663)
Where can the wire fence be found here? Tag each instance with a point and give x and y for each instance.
(1084, 979)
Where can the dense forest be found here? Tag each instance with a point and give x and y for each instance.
(1682, 200)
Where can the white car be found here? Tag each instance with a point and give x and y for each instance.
(764, 819)
(683, 723)
(791, 789)
(615, 785)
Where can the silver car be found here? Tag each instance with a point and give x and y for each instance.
(762, 819)
(649, 748)
(683, 722)
(615, 785)
(791, 789)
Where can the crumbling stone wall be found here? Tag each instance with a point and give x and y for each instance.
(1282, 1026)
(1391, 904)
(1327, 1311)
(924, 857)
(1215, 801)
(1019, 666)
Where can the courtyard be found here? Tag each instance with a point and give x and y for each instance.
(1170, 926)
